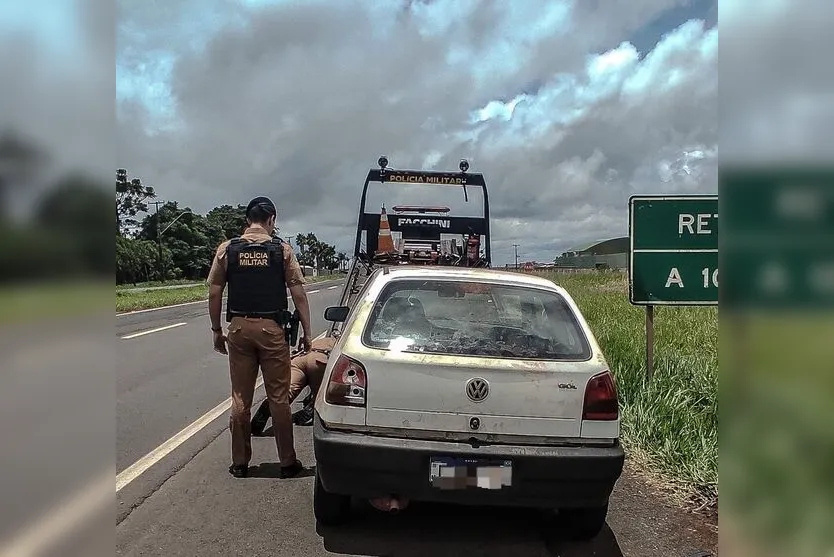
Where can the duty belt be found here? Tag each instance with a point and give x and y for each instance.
(279, 316)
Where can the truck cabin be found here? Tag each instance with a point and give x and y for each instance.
(420, 236)
(424, 234)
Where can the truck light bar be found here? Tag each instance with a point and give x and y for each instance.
(420, 209)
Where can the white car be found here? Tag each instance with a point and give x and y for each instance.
(466, 386)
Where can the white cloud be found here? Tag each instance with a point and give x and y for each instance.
(550, 100)
(610, 65)
(498, 109)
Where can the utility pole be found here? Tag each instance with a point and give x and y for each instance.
(161, 269)
(290, 238)
(516, 255)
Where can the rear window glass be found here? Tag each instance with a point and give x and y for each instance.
(475, 319)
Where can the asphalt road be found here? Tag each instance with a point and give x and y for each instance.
(202, 510)
(167, 378)
(188, 504)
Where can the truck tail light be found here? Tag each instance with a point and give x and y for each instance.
(601, 402)
(347, 383)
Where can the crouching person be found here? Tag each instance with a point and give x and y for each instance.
(307, 369)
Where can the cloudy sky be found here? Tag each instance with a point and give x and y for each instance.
(566, 107)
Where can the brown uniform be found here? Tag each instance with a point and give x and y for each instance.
(254, 341)
(306, 369)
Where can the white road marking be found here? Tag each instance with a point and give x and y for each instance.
(140, 466)
(63, 519)
(158, 329)
(313, 291)
(332, 287)
(161, 308)
(143, 464)
(49, 529)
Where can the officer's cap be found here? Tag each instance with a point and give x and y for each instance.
(264, 203)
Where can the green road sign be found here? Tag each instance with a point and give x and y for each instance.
(778, 244)
(687, 277)
(674, 250)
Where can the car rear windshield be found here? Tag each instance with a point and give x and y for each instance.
(475, 319)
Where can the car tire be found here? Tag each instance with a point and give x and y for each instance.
(330, 509)
(584, 523)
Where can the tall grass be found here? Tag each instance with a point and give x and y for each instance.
(670, 422)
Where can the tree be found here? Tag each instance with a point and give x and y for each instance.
(306, 244)
(173, 242)
(131, 199)
(231, 220)
(136, 260)
(190, 237)
(314, 251)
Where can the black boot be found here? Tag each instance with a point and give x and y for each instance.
(292, 470)
(239, 471)
(303, 416)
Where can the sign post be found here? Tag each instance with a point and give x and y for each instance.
(649, 341)
(673, 255)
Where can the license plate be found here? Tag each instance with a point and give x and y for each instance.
(470, 473)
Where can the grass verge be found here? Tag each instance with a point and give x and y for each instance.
(157, 283)
(149, 299)
(669, 424)
(127, 300)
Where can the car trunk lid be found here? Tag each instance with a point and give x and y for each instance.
(416, 391)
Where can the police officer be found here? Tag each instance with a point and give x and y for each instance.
(307, 369)
(258, 270)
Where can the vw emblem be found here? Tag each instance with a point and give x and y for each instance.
(477, 389)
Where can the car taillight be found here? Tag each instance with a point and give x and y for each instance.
(601, 398)
(347, 383)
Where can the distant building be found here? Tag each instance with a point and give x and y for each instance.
(602, 254)
(529, 266)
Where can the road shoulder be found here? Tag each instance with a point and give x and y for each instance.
(647, 521)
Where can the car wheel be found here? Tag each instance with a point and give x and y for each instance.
(583, 524)
(330, 509)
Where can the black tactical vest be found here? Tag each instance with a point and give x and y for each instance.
(256, 281)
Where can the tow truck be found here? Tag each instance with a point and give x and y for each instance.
(429, 234)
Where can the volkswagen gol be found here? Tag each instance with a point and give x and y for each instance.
(466, 386)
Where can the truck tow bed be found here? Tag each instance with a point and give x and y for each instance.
(421, 233)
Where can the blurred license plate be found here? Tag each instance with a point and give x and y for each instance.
(467, 473)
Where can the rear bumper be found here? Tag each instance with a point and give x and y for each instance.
(546, 477)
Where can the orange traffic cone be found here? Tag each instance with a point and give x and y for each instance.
(386, 241)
